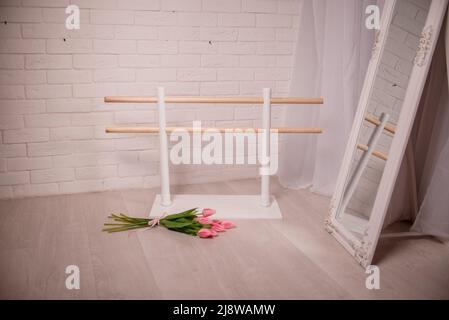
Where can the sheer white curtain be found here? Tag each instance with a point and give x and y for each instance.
(332, 54)
(432, 147)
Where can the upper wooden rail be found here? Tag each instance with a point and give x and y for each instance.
(217, 100)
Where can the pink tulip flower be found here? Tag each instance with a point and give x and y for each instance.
(217, 227)
(213, 232)
(208, 212)
(205, 233)
(204, 220)
(228, 224)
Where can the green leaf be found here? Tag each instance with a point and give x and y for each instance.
(185, 231)
(183, 220)
(188, 213)
(175, 224)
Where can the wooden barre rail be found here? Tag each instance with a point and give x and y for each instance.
(217, 100)
(377, 154)
(373, 120)
(220, 130)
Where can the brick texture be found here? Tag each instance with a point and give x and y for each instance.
(53, 80)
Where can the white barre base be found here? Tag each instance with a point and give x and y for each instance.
(227, 206)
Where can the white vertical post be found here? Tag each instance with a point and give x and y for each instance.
(265, 160)
(163, 149)
(354, 180)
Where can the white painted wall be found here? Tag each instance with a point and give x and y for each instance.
(52, 82)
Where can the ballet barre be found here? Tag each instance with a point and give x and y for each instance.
(214, 100)
(368, 150)
(220, 130)
(377, 154)
(409, 156)
(266, 100)
(376, 121)
(387, 127)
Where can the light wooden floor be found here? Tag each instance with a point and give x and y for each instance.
(293, 258)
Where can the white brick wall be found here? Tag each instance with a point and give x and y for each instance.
(52, 81)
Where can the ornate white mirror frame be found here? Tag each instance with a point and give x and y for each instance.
(362, 248)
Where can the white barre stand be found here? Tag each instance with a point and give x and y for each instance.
(226, 206)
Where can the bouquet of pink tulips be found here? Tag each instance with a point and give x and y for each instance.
(190, 222)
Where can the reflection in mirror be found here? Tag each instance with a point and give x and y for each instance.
(382, 114)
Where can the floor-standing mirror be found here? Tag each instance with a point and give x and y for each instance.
(393, 86)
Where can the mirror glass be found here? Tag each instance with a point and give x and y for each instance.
(381, 114)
